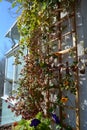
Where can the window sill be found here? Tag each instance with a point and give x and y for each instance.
(5, 97)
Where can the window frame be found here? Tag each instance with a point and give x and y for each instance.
(10, 53)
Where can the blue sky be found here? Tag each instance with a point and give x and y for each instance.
(7, 18)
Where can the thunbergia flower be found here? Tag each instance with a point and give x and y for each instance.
(55, 118)
(35, 122)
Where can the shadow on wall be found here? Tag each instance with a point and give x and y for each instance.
(82, 36)
(83, 101)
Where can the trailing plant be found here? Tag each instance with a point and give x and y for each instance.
(38, 123)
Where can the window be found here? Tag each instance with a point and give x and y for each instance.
(11, 73)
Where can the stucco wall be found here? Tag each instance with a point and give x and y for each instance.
(82, 37)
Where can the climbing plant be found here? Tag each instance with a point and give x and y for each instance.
(39, 83)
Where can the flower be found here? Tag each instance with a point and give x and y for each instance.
(35, 122)
(64, 99)
(55, 118)
(66, 83)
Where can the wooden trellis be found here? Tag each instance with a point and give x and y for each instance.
(71, 17)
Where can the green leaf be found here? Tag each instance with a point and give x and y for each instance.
(22, 127)
(50, 110)
(19, 1)
(14, 4)
(22, 122)
(43, 65)
(39, 115)
(44, 6)
(58, 127)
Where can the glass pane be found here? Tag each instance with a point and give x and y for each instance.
(10, 67)
(8, 88)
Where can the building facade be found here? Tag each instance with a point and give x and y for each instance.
(11, 76)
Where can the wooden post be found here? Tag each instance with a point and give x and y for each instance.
(60, 59)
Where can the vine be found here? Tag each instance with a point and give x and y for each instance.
(38, 89)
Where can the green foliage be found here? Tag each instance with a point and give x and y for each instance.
(39, 82)
(14, 4)
(25, 124)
